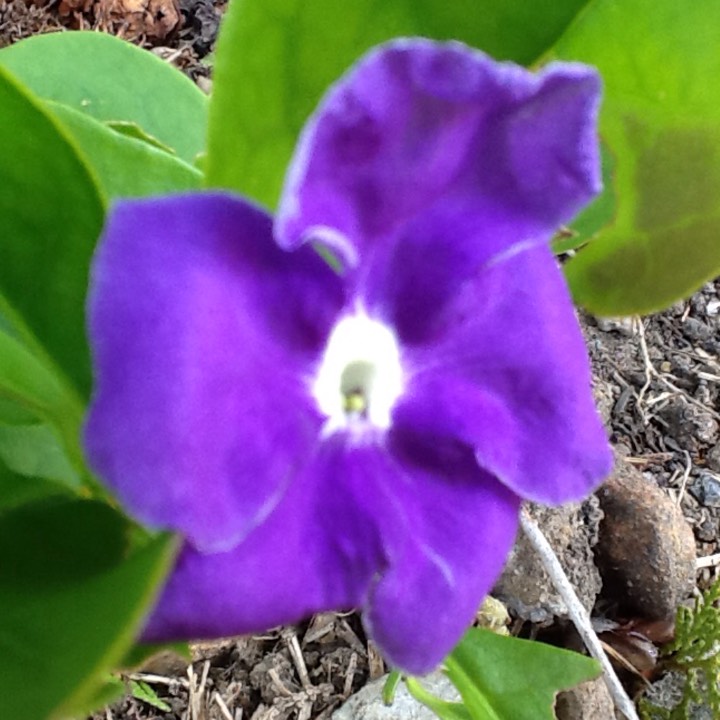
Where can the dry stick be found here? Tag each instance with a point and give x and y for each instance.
(651, 372)
(577, 612)
(222, 705)
(707, 561)
(685, 477)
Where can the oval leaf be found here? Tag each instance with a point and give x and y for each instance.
(126, 166)
(70, 603)
(661, 120)
(51, 213)
(111, 79)
(505, 678)
(35, 451)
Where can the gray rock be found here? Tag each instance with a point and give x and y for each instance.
(589, 701)
(623, 325)
(713, 458)
(706, 490)
(368, 704)
(524, 586)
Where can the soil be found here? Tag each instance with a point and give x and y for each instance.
(657, 382)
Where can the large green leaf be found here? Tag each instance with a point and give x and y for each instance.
(504, 678)
(18, 489)
(111, 79)
(30, 390)
(34, 450)
(275, 58)
(661, 121)
(51, 213)
(71, 600)
(126, 166)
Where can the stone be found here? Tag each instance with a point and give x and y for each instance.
(524, 586)
(622, 325)
(646, 549)
(367, 704)
(589, 701)
(706, 490)
(712, 458)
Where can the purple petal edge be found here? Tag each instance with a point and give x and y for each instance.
(202, 330)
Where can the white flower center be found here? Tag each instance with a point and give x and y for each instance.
(360, 376)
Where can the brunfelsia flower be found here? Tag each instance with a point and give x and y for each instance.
(361, 436)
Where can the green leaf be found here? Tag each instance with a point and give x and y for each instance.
(275, 58)
(111, 690)
(70, 603)
(51, 213)
(126, 166)
(143, 691)
(586, 226)
(16, 490)
(504, 678)
(661, 121)
(35, 451)
(111, 79)
(11, 413)
(30, 390)
(133, 130)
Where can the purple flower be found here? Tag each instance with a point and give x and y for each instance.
(330, 438)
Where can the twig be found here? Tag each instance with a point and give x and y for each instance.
(707, 561)
(651, 372)
(686, 475)
(297, 657)
(577, 613)
(223, 707)
(688, 398)
(151, 679)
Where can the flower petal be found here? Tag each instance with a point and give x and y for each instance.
(420, 128)
(445, 548)
(203, 334)
(318, 550)
(506, 370)
(416, 536)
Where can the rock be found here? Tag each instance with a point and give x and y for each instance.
(589, 701)
(646, 549)
(713, 458)
(524, 586)
(688, 423)
(368, 704)
(696, 329)
(712, 309)
(623, 325)
(706, 490)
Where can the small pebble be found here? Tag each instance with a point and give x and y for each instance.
(707, 530)
(706, 489)
(712, 309)
(712, 459)
(696, 329)
(623, 325)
